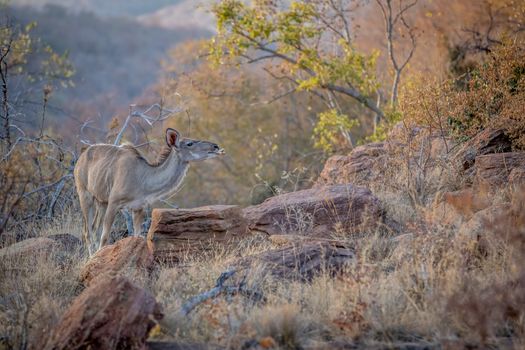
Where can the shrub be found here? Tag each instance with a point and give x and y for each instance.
(492, 97)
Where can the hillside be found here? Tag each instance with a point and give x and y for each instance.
(115, 58)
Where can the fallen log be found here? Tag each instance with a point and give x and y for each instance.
(176, 233)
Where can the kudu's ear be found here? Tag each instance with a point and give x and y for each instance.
(173, 137)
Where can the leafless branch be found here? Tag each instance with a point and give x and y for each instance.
(219, 288)
(164, 113)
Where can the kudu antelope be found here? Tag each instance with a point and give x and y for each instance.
(110, 178)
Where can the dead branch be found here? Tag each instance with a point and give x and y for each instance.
(391, 19)
(219, 289)
(164, 114)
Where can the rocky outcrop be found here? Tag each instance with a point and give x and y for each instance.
(319, 211)
(484, 221)
(488, 141)
(495, 169)
(128, 256)
(175, 233)
(453, 209)
(355, 168)
(112, 313)
(301, 261)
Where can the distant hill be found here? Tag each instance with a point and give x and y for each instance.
(184, 14)
(104, 8)
(115, 58)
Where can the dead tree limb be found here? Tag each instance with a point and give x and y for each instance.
(220, 288)
(391, 18)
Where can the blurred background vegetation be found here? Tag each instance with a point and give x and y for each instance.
(281, 85)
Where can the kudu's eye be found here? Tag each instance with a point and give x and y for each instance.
(189, 144)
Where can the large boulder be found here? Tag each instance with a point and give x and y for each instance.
(355, 168)
(484, 221)
(488, 141)
(301, 261)
(319, 211)
(452, 209)
(127, 256)
(175, 233)
(496, 169)
(112, 313)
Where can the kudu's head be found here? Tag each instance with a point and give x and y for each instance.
(192, 150)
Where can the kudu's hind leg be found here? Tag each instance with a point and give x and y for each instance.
(86, 206)
(138, 219)
(98, 222)
(111, 211)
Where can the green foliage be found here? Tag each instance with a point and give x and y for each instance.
(16, 45)
(291, 33)
(491, 97)
(21, 49)
(330, 130)
(262, 140)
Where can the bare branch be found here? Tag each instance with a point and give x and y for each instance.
(217, 290)
(164, 114)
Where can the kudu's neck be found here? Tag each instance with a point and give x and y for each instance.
(165, 178)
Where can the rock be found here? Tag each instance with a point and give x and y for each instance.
(495, 169)
(175, 233)
(487, 141)
(483, 221)
(355, 168)
(301, 261)
(29, 248)
(454, 208)
(129, 255)
(319, 211)
(112, 313)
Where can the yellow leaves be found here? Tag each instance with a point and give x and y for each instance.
(309, 84)
(331, 130)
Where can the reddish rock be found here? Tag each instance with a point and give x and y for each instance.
(484, 221)
(454, 208)
(176, 233)
(127, 256)
(495, 169)
(112, 313)
(301, 261)
(354, 168)
(319, 211)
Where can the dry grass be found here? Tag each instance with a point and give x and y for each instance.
(426, 286)
(36, 289)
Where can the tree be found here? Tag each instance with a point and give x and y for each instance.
(33, 170)
(309, 44)
(392, 18)
(268, 142)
